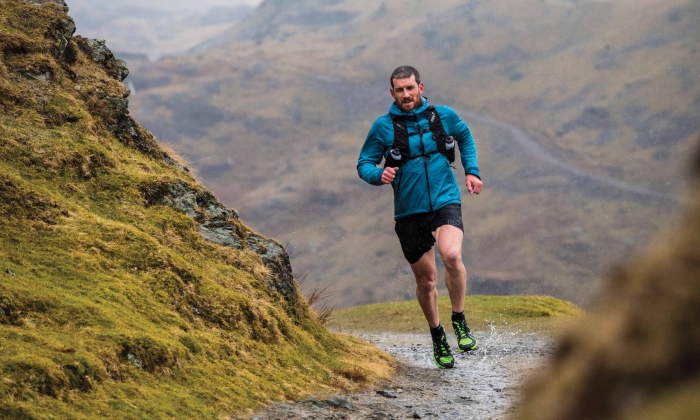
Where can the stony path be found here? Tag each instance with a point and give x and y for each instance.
(483, 385)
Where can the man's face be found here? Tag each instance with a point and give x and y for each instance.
(407, 93)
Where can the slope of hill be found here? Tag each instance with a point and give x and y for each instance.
(605, 89)
(127, 290)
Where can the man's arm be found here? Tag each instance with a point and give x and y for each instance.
(467, 149)
(371, 155)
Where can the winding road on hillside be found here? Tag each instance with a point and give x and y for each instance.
(539, 152)
(483, 385)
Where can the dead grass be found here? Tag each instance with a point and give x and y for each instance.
(319, 294)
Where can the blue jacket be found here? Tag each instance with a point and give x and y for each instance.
(423, 184)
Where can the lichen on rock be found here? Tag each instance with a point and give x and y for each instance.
(97, 50)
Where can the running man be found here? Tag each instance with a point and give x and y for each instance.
(417, 142)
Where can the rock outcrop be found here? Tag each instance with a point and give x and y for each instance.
(100, 54)
(221, 225)
(638, 355)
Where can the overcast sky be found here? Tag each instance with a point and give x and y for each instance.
(156, 27)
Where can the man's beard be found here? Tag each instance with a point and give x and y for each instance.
(413, 103)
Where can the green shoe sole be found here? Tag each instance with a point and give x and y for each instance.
(472, 348)
(444, 366)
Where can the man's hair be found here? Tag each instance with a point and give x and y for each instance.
(404, 72)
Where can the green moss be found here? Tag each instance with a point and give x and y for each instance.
(118, 308)
(63, 109)
(481, 311)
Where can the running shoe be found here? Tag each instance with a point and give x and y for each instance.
(465, 340)
(442, 356)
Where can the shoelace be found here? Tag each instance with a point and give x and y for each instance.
(462, 329)
(442, 346)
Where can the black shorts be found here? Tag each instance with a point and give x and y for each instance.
(415, 232)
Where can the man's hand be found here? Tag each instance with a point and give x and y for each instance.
(389, 175)
(474, 184)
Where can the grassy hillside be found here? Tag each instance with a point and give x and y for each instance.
(483, 312)
(117, 299)
(604, 88)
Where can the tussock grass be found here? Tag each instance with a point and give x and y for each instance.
(118, 308)
(539, 313)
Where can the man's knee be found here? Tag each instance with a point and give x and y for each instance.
(426, 282)
(452, 260)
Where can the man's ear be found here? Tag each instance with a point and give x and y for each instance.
(421, 88)
(391, 90)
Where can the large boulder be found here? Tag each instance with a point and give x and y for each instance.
(638, 355)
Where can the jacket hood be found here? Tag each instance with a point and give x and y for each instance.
(394, 110)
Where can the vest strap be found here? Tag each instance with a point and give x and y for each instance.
(400, 151)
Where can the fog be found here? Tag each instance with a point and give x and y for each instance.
(157, 27)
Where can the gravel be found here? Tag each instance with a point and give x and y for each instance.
(484, 384)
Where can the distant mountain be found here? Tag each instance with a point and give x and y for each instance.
(582, 113)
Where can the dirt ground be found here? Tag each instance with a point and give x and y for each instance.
(483, 385)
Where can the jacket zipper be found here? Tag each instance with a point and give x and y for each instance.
(425, 164)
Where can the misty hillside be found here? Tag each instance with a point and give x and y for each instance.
(582, 112)
(126, 289)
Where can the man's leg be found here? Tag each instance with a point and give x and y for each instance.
(426, 291)
(426, 287)
(449, 244)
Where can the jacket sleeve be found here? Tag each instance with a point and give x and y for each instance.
(465, 141)
(371, 155)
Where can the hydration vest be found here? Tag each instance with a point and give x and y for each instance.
(400, 151)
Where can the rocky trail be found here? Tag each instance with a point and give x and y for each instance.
(483, 385)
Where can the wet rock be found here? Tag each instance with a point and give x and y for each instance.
(335, 402)
(97, 50)
(276, 259)
(340, 402)
(41, 77)
(114, 111)
(416, 415)
(386, 393)
(132, 135)
(10, 272)
(63, 34)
